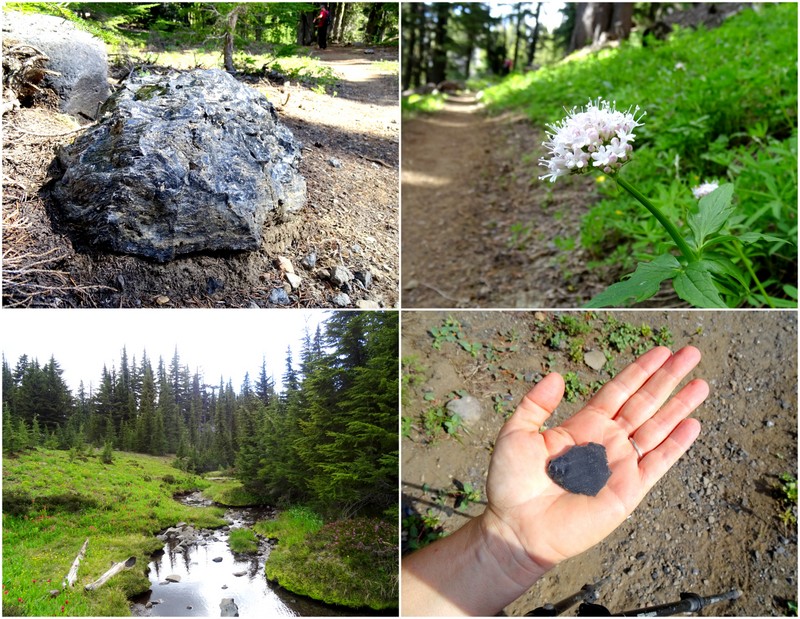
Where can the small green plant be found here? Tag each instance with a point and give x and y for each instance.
(421, 530)
(787, 497)
(573, 387)
(464, 494)
(705, 274)
(406, 424)
(107, 457)
(576, 350)
(450, 331)
(519, 236)
(473, 348)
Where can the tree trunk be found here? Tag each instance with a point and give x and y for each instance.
(230, 29)
(439, 60)
(599, 21)
(518, 35)
(535, 37)
(410, 66)
(337, 11)
(373, 22)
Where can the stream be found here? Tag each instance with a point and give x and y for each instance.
(196, 570)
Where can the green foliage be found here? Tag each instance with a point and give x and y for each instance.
(50, 507)
(292, 526)
(346, 562)
(787, 496)
(711, 114)
(414, 104)
(232, 493)
(421, 530)
(107, 457)
(452, 331)
(243, 541)
(574, 389)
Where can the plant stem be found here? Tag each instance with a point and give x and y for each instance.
(750, 270)
(687, 251)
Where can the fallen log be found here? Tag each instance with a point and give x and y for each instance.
(116, 569)
(72, 575)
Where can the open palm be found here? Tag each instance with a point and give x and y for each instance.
(551, 524)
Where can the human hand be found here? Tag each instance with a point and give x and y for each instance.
(529, 511)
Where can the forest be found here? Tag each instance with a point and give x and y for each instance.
(328, 438)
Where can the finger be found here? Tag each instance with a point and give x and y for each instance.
(654, 465)
(537, 405)
(643, 404)
(653, 432)
(615, 393)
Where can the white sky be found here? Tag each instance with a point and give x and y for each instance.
(549, 14)
(224, 343)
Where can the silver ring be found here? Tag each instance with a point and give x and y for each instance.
(635, 447)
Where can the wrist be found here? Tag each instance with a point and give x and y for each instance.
(517, 570)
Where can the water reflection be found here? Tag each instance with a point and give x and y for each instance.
(207, 572)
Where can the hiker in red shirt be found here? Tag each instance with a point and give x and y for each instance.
(321, 21)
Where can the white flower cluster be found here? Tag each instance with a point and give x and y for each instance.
(598, 136)
(704, 189)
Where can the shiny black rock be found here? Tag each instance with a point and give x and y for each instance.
(583, 469)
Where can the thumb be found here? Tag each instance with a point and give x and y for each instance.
(537, 405)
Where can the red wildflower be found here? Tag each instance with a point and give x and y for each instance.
(19, 599)
(62, 609)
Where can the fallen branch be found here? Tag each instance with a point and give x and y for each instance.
(116, 569)
(72, 576)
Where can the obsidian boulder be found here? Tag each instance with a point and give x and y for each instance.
(178, 164)
(583, 469)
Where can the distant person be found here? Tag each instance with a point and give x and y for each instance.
(321, 21)
(508, 65)
(531, 524)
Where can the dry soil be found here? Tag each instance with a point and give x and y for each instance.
(351, 164)
(710, 525)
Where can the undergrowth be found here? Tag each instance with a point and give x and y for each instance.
(349, 562)
(720, 105)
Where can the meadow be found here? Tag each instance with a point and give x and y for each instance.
(54, 500)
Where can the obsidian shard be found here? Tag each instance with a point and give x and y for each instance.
(583, 469)
(179, 164)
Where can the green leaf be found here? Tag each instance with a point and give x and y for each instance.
(712, 213)
(752, 237)
(696, 285)
(722, 266)
(642, 284)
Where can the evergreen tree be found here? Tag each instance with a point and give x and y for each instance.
(265, 386)
(146, 421)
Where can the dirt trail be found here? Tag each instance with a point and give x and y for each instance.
(710, 525)
(351, 164)
(469, 182)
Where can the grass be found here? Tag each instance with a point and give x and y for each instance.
(230, 492)
(243, 540)
(716, 109)
(51, 505)
(346, 562)
(292, 526)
